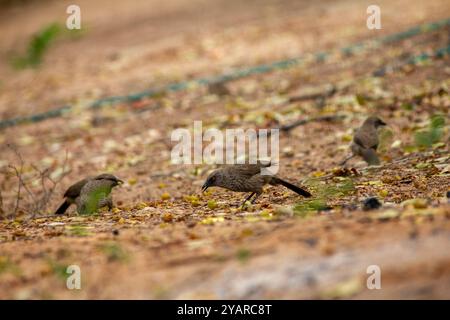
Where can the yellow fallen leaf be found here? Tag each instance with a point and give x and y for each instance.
(167, 217)
(375, 183)
(396, 144)
(212, 220)
(417, 203)
(193, 200)
(388, 214)
(383, 193)
(345, 289)
(165, 196)
(115, 210)
(140, 206)
(212, 204)
(132, 181)
(347, 138)
(318, 174)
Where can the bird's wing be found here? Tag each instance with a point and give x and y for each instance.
(368, 139)
(74, 190)
(246, 170)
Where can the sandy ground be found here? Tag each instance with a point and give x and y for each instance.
(163, 240)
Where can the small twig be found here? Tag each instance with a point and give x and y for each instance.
(1, 205)
(48, 216)
(16, 207)
(19, 177)
(300, 122)
(39, 202)
(21, 181)
(48, 193)
(313, 96)
(19, 185)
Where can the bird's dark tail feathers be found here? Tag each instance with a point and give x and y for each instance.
(370, 156)
(290, 186)
(63, 207)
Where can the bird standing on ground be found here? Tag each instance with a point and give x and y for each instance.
(247, 178)
(365, 141)
(219, 89)
(90, 194)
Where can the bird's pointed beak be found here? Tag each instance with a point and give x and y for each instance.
(205, 186)
(119, 182)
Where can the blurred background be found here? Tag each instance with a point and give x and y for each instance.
(141, 44)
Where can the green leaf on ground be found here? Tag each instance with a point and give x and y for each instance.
(425, 138)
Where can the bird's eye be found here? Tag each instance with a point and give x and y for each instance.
(212, 179)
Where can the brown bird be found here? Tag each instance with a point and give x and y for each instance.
(90, 194)
(219, 89)
(247, 178)
(365, 141)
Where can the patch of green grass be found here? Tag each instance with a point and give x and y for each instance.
(425, 138)
(322, 192)
(6, 265)
(37, 47)
(160, 292)
(360, 99)
(58, 269)
(114, 252)
(78, 230)
(41, 42)
(309, 207)
(243, 255)
(407, 106)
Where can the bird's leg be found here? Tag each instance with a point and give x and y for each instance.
(109, 203)
(256, 197)
(106, 202)
(248, 198)
(346, 159)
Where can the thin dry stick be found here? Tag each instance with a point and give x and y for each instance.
(19, 185)
(1, 205)
(319, 95)
(18, 173)
(48, 193)
(38, 203)
(19, 189)
(21, 181)
(300, 122)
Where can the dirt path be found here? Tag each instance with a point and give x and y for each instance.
(166, 240)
